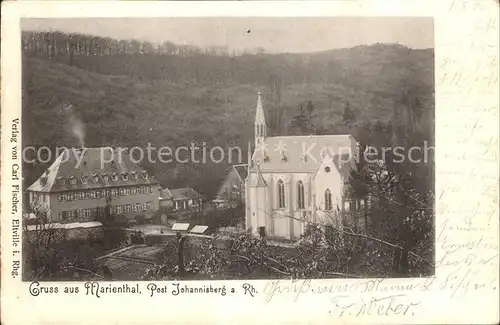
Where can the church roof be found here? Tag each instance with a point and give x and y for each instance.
(95, 169)
(304, 153)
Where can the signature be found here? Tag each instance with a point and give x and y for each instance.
(400, 304)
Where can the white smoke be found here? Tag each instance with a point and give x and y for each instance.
(75, 124)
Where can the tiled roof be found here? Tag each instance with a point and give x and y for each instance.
(165, 194)
(303, 153)
(184, 193)
(242, 171)
(95, 170)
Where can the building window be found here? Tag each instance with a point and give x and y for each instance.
(328, 200)
(114, 177)
(85, 179)
(125, 177)
(300, 195)
(281, 194)
(352, 205)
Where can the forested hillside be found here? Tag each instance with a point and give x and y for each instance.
(135, 93)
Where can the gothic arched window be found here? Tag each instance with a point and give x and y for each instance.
(281, 194)
(300, 195)
(328, 200)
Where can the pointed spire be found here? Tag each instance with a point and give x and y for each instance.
(259, 114)
(260, 122)
(249, 158)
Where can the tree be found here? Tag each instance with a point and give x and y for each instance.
(48, 253)
(400, 210)
(276, 111)
(348, 116)
(300, 121)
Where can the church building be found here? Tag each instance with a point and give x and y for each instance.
(296, 180)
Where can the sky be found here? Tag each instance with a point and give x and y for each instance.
(274, 35)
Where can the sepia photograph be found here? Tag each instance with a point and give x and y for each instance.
(231, 148)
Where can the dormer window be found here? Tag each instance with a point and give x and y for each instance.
(62, 181)
(72, 180)
(283, 158)
(95, 178)
(144, 175)
(134, 175)
(266, 158)
(85, 179)
(114, 177)
(125, 176)
(304, 158)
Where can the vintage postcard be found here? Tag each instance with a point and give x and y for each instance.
(250, 162)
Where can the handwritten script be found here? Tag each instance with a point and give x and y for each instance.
(467, 157)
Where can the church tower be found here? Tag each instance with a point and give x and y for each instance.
(260, 122)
